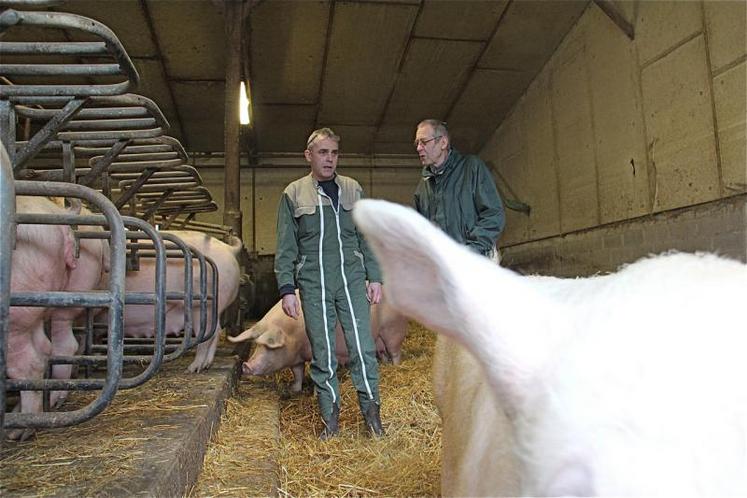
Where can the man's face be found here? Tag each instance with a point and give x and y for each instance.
(432, 149)
(322, 157)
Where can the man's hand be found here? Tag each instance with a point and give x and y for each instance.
(373, 292)
(291, 306)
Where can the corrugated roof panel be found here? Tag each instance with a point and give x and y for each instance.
(463, 20)
(200, 103)
(483, 105)
(433, 72)
(529, 34)
(287, 56)
(192, 38)
(366, 46)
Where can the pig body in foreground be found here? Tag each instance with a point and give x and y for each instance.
(42, 260)
(138, 320)
(281, 342)
(627, 384)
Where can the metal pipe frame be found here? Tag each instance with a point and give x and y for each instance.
(7, 242)
(157, 299)
(113, 299)
(10, 18)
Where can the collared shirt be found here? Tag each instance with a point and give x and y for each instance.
(330, 188)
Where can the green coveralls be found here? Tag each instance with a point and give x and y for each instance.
(320, 251)
(462, 199)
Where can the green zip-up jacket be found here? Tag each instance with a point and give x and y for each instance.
(299, 229)
(461, 198)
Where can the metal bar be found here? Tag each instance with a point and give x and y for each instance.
(8, 130)
(159, 186)
(68, 162)
(151, 156)
(154, 207)
(10, 18)
(132, 150)
(167, 221)
(59, 69)
(98, 167)
(133, 166)
(30, 3)
(188, 295)
(126, 196)
(41, 137)
(93, 113)
(159, 302)
(7, 241)
(160, 174)
(79, 136)
(110, 124)
(53, 48)
(115, 307)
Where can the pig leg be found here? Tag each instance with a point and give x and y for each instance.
(393, 346)
(205, 354)
(297, 383)
(381, 352)
(396, 358)
(63, 344)
(27, 359)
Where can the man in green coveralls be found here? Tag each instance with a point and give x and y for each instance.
(320, 250)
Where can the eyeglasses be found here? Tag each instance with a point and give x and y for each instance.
(424, 142)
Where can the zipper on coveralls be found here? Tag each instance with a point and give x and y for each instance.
(364, 373)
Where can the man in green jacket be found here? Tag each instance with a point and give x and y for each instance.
(457, 192)
(320, 250)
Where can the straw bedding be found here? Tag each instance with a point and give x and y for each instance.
(254, 454)
(263, 446)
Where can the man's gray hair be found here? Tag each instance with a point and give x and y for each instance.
(439, 127)
(321, 134)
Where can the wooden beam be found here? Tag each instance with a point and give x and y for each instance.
(234, 23)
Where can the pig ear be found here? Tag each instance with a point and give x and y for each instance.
(249, 334)
(451, 290)
(272, 339)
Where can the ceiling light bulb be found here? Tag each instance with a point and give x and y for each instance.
(243, 105)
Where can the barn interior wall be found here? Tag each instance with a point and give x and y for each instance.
(628, 147)
(262, 187)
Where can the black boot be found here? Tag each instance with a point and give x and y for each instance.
(331, 426)
(373, 420)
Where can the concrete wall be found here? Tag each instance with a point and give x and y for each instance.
(624, 148)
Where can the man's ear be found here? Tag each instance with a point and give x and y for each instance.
(307, 155)
(445, 142)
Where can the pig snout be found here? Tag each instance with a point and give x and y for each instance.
(259, 363)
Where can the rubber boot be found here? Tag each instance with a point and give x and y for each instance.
(373, 420)
(331, 426)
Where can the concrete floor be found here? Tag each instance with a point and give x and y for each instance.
(149, 442)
